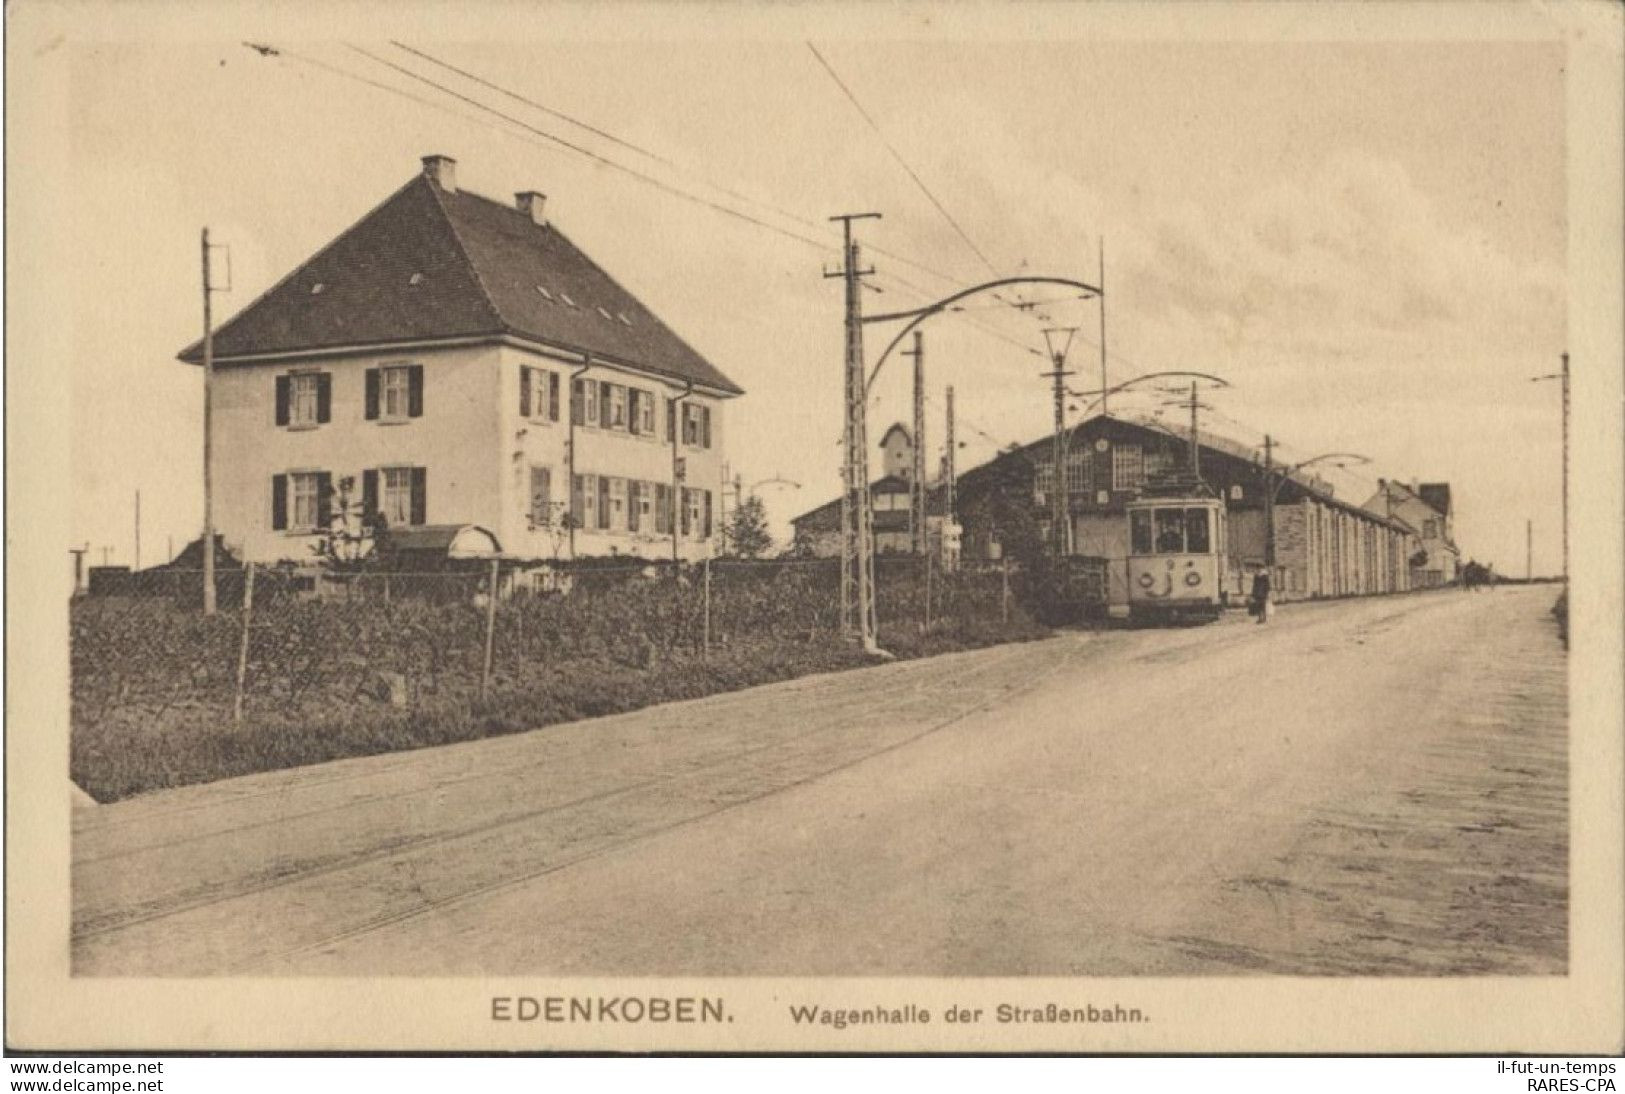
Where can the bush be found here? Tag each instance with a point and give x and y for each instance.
(328, 677)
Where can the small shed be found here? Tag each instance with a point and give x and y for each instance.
(430, 546)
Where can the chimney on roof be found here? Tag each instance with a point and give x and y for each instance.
(442, 171)
(532, 203)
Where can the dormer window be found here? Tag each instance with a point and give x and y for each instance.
(545, 294)
(603, 313)
(564, 296)
(316, 289)
(621, 315)
(415, 280)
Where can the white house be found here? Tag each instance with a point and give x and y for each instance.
(1427, 509)
(461, 362)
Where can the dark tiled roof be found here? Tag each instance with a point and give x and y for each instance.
(433, 264)
(1436, 494)
(827, 517)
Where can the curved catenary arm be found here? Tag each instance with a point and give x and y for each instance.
(917, 316)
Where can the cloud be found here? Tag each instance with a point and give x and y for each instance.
(1352, 258)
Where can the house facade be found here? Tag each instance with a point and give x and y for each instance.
(1425, 508)
(818, 531)
(453, 360)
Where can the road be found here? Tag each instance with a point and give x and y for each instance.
(1373, 787)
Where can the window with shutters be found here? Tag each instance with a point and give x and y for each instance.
(695, 512)
(304, 500)
(395, 392)
(696, 425)
(584, 500)
(586, 403)
(642, 504)
(617, 504)
(396, 499)
(645, 425)
(662, 509)
(541, 497)
(538, 394)
(302, 399)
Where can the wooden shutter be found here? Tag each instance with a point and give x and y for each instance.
(324, 397)
(420, 494)
(707, 524)
(414, 391)
(576, 502)
(671, 420)
(578, 400)
(603, 500)
(324, 499)
(705, 428)
(524, 392)
(282, 385)
(553, 396)
(279, 503)
(369, 495)
(372, 395)
(632, 397)
(634, 489)
(603, 404)
(541, 496)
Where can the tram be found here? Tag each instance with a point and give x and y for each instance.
(1176, 558)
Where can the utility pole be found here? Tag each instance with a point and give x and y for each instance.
(137, 530)
(916, 489)
(857, 519)
(79, 554)
(1059, 536)
(1105, 388)
(1565, 469)
(1269, 504)
(950, 482)
(208, 436)
(1564, 377)
(1196, 457)
(1528, 550)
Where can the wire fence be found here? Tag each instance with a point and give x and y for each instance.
(297, 650)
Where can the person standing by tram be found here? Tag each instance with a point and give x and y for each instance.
(1261, 595)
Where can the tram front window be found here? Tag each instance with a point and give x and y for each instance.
(1170, 531)
(1139, 532)
(1197, 541)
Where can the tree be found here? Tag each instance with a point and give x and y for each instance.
(354, 540)
(748, 536)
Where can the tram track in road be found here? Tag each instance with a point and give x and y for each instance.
(803, 746)
(490, 889)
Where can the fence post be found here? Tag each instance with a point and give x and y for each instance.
(705, 640)
(927, 590)
(242, 648)
(490, 628)
(1004, 587)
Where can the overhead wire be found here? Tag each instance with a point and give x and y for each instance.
(666, 161)
(901, 162)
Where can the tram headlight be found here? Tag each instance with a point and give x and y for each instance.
(1193, 578)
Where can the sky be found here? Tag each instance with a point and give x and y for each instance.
(1365, 239)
